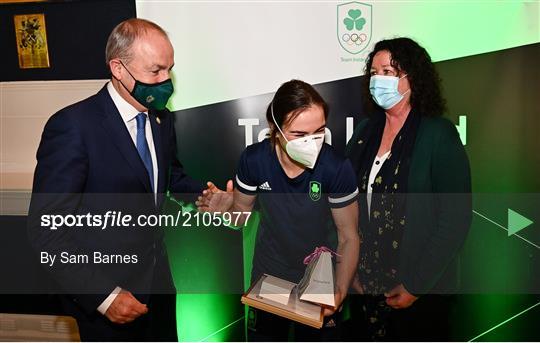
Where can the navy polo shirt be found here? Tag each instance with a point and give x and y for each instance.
(295, 213)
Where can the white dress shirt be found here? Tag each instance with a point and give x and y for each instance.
(129, 113)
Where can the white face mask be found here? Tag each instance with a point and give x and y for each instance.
(303, 150)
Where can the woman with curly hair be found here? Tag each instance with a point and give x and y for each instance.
(415, 211)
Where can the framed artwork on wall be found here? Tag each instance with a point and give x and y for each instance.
(31, 38)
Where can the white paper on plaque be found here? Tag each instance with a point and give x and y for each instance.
(317, 285)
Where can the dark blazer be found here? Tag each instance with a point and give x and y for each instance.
(87, 163)
(438, 209)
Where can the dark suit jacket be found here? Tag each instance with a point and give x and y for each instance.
(438, 210)
(87, 163)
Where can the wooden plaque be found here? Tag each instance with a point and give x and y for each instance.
(300, 311)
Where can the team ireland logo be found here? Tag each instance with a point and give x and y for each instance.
(315, 190)
(354, 26)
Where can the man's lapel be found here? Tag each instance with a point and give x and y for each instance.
(119, 134)
(156, 126)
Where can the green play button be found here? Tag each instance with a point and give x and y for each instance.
(516, 222)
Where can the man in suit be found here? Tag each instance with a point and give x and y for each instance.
(115, 151)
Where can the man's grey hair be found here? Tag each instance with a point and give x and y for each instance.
(124, 34)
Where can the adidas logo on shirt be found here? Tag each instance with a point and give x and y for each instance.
(265, 186)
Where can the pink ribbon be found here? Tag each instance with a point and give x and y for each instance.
(317, 252)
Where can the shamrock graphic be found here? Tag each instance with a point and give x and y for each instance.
(354, 20)
(315, 190)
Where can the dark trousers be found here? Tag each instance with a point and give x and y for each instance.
(266, 327)
(429, 318)
(159, 324)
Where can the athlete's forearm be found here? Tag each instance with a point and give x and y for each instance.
(349, 250)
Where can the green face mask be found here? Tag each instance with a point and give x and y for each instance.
(151, 95)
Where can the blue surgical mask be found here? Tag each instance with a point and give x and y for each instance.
(384, 90)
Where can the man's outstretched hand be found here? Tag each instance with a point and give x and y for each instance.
(214, 199)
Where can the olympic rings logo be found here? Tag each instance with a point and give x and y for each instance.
(354, 39)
